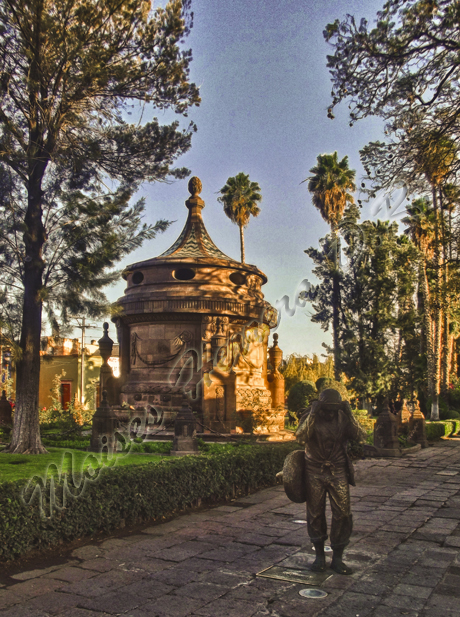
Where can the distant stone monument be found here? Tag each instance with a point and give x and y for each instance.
(386, 433)
(417, 425)
(185, 431)
(194, 317)
(5, 411)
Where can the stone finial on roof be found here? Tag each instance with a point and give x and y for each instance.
(195, 186)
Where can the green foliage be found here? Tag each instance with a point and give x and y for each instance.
(364, 420)
(131, 495)
(297, 368)
(385, 70)
(59, 441)
(324, 382)
(331, 186)
(23, 466)
(152, 447)
(404, 69)
(378, 325)
(73, 417)
(335, 385)
(444, 428)
(300, 395)
(436, 430)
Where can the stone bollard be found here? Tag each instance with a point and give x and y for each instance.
(404, 418)
(6, 418)
(105, 423)
(386, 433)
(417, 425)
(185, 431)
(105, 349)
(276, 383)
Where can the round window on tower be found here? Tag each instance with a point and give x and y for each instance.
(138, 277)
(237, 278)
(184, 274)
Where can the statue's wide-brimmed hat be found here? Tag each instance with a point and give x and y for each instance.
(294, 472)
(330, 399)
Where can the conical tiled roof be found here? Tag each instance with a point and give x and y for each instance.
(194, 241)
(194, 244)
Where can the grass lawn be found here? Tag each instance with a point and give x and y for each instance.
(24, 466)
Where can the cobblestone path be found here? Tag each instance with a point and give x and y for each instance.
(405, 552)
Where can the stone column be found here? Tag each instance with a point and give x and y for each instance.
(404, 418)
(386, 432)
(417, 426)
(276, 383)
(275, 378)
(105, 349)
(105, 423)
(184, 431)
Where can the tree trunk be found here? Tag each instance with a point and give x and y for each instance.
(242, 243)
(26, 431)
(445, 372)
(336, 306)
(427, 323)
(437, 320)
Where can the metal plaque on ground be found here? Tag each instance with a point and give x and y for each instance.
(295, 575)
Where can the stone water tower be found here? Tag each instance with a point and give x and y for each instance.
(194, 317)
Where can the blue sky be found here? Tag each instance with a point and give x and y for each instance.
(265, 88)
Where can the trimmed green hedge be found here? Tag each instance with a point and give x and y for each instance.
(120, 496)
(442, 428)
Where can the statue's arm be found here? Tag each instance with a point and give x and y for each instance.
(301, 432)
(355, 430)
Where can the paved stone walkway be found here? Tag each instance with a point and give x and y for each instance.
(405, 551)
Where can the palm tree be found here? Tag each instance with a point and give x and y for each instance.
(420, 224)
(330, 185)
(240, 197)
(435, 156)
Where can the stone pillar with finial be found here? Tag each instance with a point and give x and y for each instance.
(105, 349)
(417, 425)
(105, 423)
(404, 418)
(276, 382)
(275, 378)
(5, 411)
(185, 431)
(386, 432)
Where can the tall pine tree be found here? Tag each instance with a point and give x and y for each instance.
(69, 70)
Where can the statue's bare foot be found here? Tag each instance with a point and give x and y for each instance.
(338, 566)
(319, 565)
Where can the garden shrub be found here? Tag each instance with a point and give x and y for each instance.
(131, 495)
(300, 396)
(364, 420)
(324, 382)
(327, 382)
(451, 415)
(76, 443)
(443, 428)
(75, 415)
